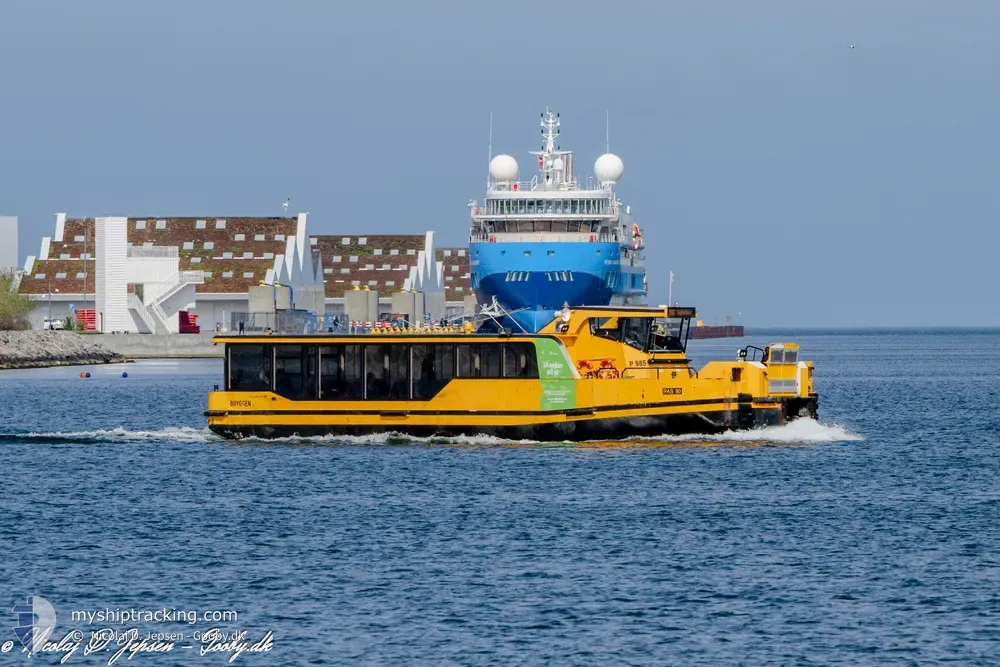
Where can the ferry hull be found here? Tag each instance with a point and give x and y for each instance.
(597, 428)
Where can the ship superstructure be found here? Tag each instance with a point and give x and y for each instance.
(539, 245)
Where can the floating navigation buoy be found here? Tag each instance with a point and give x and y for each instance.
(83, 375)
(124, 375)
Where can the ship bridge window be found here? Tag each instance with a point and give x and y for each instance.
(295, 371)
(387, 372)
(340, 372)
(250, 367)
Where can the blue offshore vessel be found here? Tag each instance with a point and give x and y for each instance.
(536, 246)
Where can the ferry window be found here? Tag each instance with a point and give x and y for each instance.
(519, 361)
(433, 368)
(635, 331)
(479, 361)
(295, 371)
(550, 252)
(777, 355)
(598, 327)
(791, 356)
(249, 367)
(387, 372)
(340, 372)
(667, 335)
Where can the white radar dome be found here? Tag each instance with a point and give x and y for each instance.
(558, 164)
(609, 168)
(503, 169)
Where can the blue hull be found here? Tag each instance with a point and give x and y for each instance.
(536, 279)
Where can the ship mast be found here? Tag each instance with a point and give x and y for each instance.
(550, 162)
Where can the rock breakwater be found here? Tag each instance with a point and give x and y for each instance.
(40, 349)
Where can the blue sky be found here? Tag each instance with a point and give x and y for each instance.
(779, 173)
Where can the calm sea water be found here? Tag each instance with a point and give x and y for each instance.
(872, 537)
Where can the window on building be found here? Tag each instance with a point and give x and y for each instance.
(81, 275)
(200, 224)
(337, 259)
(295, 371)
(188, 245)
(206, 274)
(64, 255)
(240, 237)
(369, 267)
(249, 367)
(258, 237)
(161, 224)
(345, 270)
(227, 255)
(248, 255)
(39, 276)
(268, 255)
(363, 240)
(79, 239)
(248, 274)
(447, 253)
(390, 283)
(340, 373)
(386, 267)
(313, 241)
(196, 260)
(411, 251)
(353, 259)
(394, 251)
(227, 274)
(279, 237)
(387, 372)
(60, 276)
(209, 245)
(220, 224)
(327, 271)
(345, 240)
(377, 251)
(461, 253)
(140, 224)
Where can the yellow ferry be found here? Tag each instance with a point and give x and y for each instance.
(591, 373)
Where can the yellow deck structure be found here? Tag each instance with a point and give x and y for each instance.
(592, 373)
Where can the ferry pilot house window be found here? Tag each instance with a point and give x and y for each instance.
(249, 368)
(387, 372)
(295, 371)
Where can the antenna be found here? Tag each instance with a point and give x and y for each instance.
(607, 131)
(489, 157)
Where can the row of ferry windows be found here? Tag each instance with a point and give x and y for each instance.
(371, 371)
(529, 206)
